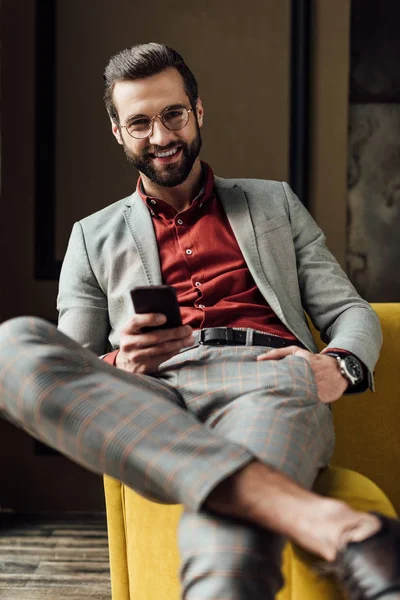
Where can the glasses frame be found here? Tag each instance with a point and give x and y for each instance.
(160, 116)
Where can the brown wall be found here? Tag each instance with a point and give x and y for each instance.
(329, 120)
(27, 481)
(241, 59)
(19, 293)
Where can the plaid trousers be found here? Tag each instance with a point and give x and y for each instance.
(174, 436)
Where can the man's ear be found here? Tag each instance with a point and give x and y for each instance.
(116, 131)
(199, 112)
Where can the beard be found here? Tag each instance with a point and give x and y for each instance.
(167, 175)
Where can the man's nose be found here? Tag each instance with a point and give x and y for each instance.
(160, 135)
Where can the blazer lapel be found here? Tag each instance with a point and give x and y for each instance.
(139, 222)
(237, 210)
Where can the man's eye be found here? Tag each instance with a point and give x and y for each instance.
(173, 114)
(139, 123)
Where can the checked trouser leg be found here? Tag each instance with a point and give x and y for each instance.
(131, 427)
(149, 433)
(271, 408)
(225, 559)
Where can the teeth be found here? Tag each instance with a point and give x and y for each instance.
(164, 154)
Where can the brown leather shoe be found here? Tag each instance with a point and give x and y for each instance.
(370, 569)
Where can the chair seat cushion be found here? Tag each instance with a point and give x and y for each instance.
(143, 548)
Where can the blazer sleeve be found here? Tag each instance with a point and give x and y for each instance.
(82, 304)
(333, 304)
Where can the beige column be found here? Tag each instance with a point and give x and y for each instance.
(329, 120)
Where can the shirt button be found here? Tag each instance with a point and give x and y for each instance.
(153, 201)
(201, 306)
(197, 284)
(189, 251)
(180, 222)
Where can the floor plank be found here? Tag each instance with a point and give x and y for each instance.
(54, 557)
(63, 554)
(49, 594)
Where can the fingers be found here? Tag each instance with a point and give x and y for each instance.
(279, 353)
(160, 337)
(135, 324)
(143, 352)
(145, 346)
(133, 331)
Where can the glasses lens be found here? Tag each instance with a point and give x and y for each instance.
(175, 117)
(139, 127)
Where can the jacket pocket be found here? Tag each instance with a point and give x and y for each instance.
(271, 224)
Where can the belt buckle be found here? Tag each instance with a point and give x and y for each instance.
(224, 335)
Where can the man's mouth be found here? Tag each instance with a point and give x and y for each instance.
(166, 155)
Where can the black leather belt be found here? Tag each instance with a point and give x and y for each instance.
(229, 336)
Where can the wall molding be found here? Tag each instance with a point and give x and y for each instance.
(300, 76)
(46, 264)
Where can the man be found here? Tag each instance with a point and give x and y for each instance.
(228, 414)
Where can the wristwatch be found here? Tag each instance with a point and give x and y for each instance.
(350, 367)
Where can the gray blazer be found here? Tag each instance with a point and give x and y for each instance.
(115, 249)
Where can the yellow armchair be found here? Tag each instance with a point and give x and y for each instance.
(142, 534)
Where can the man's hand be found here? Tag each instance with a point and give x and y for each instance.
(143, 352)
(330, 382)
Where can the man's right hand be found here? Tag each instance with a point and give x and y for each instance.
(143, 352)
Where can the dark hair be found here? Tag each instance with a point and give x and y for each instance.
(144, 60)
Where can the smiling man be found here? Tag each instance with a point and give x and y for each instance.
(229, 413)
(161, 165)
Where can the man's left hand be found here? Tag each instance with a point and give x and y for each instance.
(330, 382)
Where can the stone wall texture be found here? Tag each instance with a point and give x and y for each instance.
(373, 246)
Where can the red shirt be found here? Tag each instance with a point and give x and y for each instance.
(201, 259)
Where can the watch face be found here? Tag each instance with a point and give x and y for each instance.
(354, 368)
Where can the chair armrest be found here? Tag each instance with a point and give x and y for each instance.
(367, 425)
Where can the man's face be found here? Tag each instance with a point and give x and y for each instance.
(149, 97)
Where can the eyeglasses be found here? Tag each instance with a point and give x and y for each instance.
(172, 117)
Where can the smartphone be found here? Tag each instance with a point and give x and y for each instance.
(157, 299)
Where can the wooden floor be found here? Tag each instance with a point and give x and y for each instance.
(54, 557)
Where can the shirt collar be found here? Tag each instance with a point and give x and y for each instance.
(205, 193)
